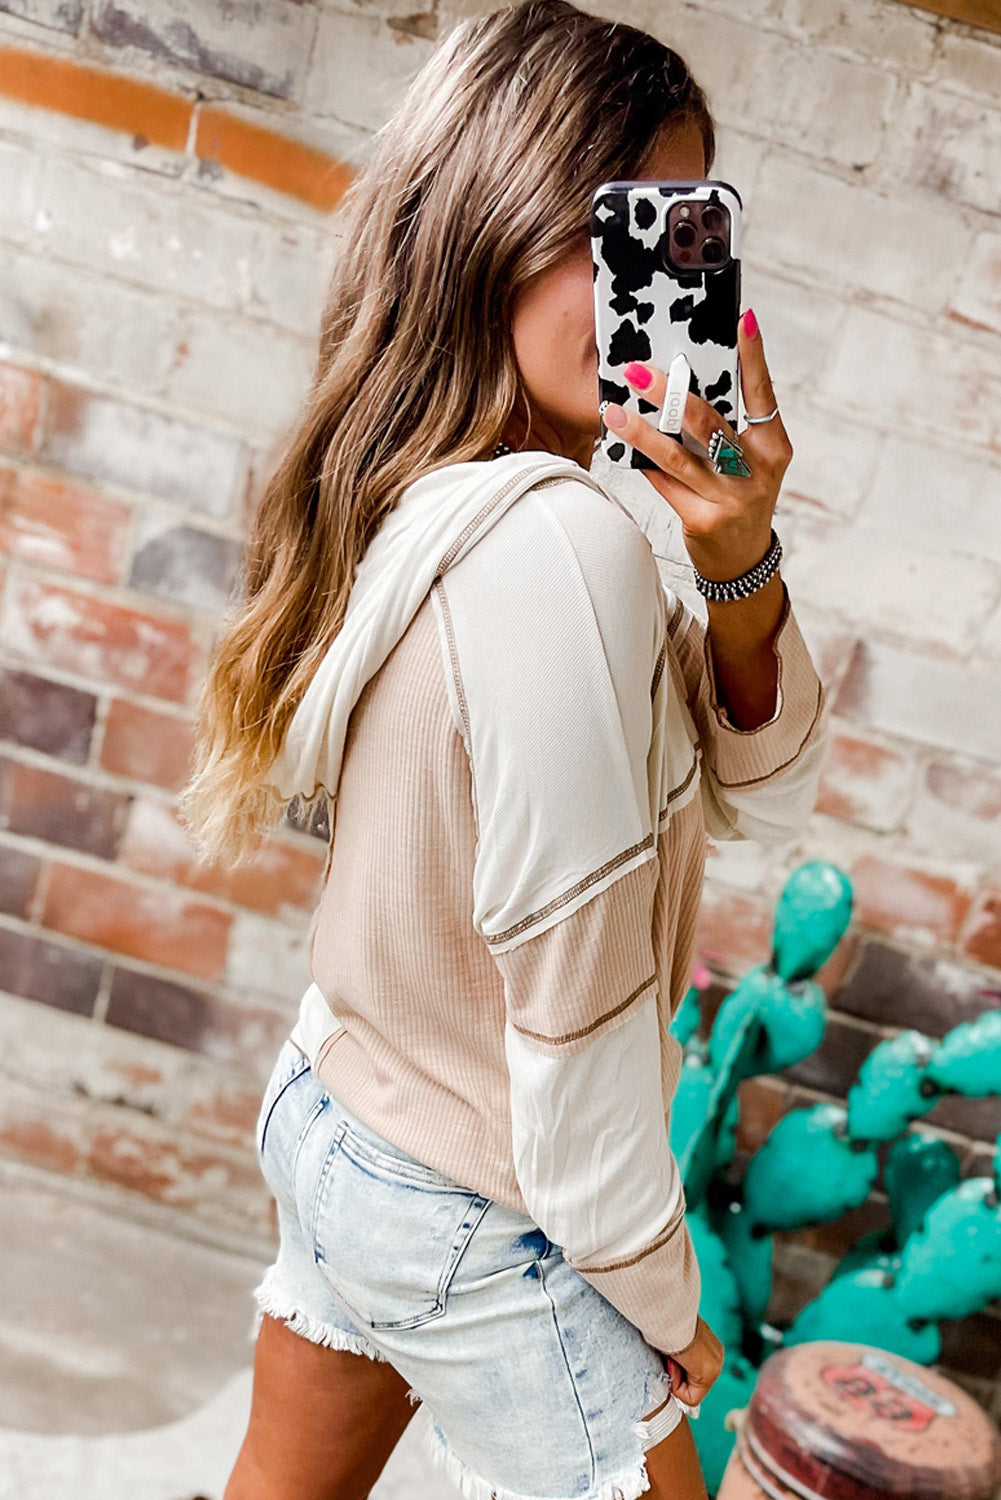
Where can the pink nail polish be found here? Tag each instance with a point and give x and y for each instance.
(638, 375)
(750, 323)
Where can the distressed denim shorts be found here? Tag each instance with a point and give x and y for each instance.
(532, 1383)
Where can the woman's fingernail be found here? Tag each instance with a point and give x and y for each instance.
(638, 375)
(615, 416)
(750, 323)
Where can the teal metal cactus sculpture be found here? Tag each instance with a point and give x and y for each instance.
(942, 1256)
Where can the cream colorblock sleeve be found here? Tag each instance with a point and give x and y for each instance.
(553, 625)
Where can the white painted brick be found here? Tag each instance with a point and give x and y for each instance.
(251, 374)
(945, 146)
(113, 221)
(991, 639)
(878, 580)
(907, 375)
(289, 272)
(180, 240)
(19, 168)
(937, 498)
(268, 957)
(848, 235)
(958, 819)
(261, 47)
(91, 322)
(977, 297)
(839, 106)
(738, 161)
(60, 15)
(361, 68)
(800, 328)
(727, 55)
(833, 458)
(968, 64)
(144, 451)
(919, 698)
(871, 29)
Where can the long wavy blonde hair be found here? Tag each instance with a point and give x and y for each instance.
(481, 180)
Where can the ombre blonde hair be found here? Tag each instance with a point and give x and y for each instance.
(480, 180)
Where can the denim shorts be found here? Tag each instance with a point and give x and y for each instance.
(532, 1383)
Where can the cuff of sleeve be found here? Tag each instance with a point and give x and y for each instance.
(657, 1290)
(745, 756)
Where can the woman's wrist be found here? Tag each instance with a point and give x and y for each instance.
(719, 562)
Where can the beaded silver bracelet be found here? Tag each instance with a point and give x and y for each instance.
(749, 582)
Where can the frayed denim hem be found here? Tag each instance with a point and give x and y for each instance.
(628, 1485)
(271, 1302)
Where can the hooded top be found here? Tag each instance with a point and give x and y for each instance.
(520, 726)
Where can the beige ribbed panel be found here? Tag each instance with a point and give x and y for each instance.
(579, 978)
(419, 994)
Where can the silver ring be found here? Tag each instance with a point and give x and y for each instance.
(769, 417)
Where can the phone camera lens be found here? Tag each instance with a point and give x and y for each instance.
(712, 219)
(713, 251)
(684, 234)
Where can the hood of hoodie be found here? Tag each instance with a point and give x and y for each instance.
(436, 521)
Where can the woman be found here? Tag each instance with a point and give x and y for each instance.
(526, 739)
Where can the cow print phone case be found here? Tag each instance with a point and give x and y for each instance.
(650, 305)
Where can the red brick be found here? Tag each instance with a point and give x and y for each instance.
(45, 715)
(864, 783)
(19, 871)
(65, 810)
(103, 641)
(982, 939)
(976, 792)
(735, 931)
(762, 1103)
(160, 926)
(37, 1144)
(282, 875)
(55, 523)
(908, 902)
(229, 1115)
(20, 393)
(168, 1171)
(145, 745)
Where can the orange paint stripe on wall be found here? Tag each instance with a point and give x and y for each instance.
(163, 118)
(71, 88)
(269, 158)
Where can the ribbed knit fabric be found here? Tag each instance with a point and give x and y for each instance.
(531, 1059)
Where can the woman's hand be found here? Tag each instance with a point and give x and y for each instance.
(726, 520)
(694, 1368)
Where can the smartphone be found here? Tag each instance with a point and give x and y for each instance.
(666, 258)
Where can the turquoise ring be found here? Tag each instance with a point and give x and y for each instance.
(726, 455)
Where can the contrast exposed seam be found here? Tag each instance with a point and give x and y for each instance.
(453, 655)
(632, 1260)
(575, 890)
(672, 796)
(711, 678)
(485, 510)
(572, 1036)
(756, 780)
(658, 670)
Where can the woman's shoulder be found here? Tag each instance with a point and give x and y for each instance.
(571, 527)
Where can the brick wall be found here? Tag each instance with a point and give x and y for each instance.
(170, 176)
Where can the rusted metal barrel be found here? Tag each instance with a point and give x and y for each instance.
(843, 1421)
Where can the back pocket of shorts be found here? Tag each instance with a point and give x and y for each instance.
(388, 1236)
